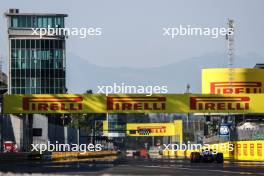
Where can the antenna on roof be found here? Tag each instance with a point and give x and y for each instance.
(230, 45)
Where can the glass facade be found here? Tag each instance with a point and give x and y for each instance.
(24, 21)
(37, 66)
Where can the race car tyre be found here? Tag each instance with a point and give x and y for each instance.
(195, 157)
(219, 158)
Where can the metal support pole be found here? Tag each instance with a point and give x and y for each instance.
(2, 121)
(94, 128)
(78, 138)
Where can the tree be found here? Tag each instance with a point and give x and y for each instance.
(89, 91)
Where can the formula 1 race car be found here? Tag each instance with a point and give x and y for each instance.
(206, 156)
(142, 153)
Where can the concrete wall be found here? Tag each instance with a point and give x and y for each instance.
(62, 134)
(13, 129)
(18, 129)
(40, 121)
(53, 132)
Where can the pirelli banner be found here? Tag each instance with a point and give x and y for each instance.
(243, 80)
(151, 129)
(129, 103)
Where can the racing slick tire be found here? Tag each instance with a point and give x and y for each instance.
(219, 158)
(195, 157)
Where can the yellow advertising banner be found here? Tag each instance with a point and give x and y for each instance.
(54, 103)
(242, 150)
(244, 80)
(133, 103)
(249, 150)
(105, 128)
(150, 129)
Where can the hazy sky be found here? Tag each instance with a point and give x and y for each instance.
(132, 29)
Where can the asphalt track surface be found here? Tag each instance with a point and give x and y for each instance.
(135, 167)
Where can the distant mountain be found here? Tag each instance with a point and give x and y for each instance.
(82, 75)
